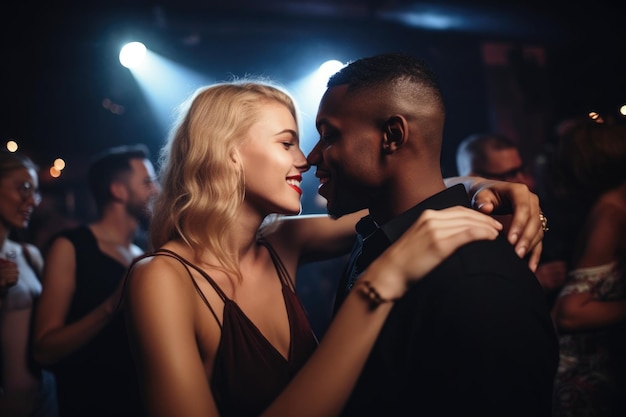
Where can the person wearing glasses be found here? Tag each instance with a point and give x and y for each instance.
(494, 156)
(25, 389)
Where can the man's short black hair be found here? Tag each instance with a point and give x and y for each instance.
(383, 70)
(109, 166)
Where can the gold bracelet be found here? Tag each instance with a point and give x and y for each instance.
(372, 295)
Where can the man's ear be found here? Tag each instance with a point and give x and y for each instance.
(118, 191)
(395, 134)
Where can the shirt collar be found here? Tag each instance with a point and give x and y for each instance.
(453, 196)
(366, 226)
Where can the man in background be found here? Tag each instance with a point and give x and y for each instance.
(79, 330)
(494, 156)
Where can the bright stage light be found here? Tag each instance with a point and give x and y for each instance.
(132, 54)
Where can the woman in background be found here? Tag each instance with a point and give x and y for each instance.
(26, 390)
(590, 312)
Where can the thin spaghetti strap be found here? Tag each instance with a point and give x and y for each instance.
(206, 276)
(278, 264)
(186, 264)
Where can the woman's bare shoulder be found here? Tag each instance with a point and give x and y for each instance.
(157, 268)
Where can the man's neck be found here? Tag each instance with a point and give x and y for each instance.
(116, 228)
(394, 202)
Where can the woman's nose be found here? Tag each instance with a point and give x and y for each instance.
(302, 163)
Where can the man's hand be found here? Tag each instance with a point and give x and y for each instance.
(524, 228)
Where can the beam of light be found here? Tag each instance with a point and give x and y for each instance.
(308, 92)
(165, 84)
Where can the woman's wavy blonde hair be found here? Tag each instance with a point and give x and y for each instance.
(201, 187)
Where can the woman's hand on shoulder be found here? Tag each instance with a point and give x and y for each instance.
(525, 229)
(431, 239)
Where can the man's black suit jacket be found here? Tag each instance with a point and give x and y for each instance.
(474, 337)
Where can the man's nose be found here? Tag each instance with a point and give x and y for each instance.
(313, 157)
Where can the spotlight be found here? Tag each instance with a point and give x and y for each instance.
(132, 54)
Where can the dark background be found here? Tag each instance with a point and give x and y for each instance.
(60, 60)
(519, 67)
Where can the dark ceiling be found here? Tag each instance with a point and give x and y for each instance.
(56, 73)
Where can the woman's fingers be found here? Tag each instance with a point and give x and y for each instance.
(435, 236)
(525, 230)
